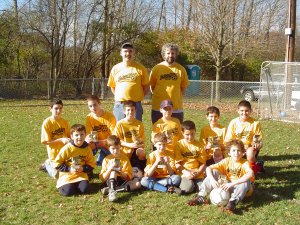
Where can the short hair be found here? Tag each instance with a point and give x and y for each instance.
(113, 140)
(188, 125)
(235, 142)
(160, 137)
(56, 102)
(77, 127)
(244, 103)
(129, 104)
(212, 109)
(93, 98)
(170, 46)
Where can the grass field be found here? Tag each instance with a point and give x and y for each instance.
(29, 196)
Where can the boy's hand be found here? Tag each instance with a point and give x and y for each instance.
(227, 186)
(76, 169)
(166, 159)
(65, 140)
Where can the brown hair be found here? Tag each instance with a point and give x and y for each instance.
(212, 109)
(160, 137)
(93, 98)
(56, 102)
(188, 125)
(129, 104)
(245, 104)
(113, 140)
(77, 127)
(237, 143)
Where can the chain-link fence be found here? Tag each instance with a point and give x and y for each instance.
(279, 92)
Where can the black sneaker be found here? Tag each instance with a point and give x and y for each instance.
(231, 205)
(197, 201)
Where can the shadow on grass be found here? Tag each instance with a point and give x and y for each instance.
(280, 157)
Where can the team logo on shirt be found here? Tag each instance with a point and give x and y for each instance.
(58, 132)
(127, 77)
(101, 128)
(193, 153)
(236, 172)
(169, 76)
(131, 133)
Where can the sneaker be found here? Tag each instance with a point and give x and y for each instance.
(175, 190)
(231, 205)
(197, 201)
(105, 190)
(42, 167)
(112, 195)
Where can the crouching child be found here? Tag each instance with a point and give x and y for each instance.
(232, 174)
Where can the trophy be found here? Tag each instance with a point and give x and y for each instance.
(94, 136)
(169, 135)
(117, 165)
(214, 141)
(137, 140)
(257, 140)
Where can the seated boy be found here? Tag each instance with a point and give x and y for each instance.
(99, 125)
(235, 173)
(212, 136)
(160, 170)
(168, 125)
(55, 134)
(132, 135)
(116, 171)
(74, 161)
(248, 130)
(190, 158)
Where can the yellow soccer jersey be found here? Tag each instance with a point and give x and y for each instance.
(207, 132)
(129, 132)
(71, 155)
(161, 170)
(171, 128)
(166, 83)
(190, 155)
(124, 164)
(243, 131)
(53, 129)
(232, 170)
(128, 81)
(104, 125)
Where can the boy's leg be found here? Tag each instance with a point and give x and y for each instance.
(152, 184)
(102, 154)
(68, 189)
(187, 185)
(139, 111)
(136, 162)
(240, 191)
(50, 170)
(155, 115)
(118, 111)
(84, 186)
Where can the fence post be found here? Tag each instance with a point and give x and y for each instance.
(48, 89)
(93, 86)
(212, 93)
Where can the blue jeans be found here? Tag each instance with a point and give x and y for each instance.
(119, 113)
(173, 180)
(53, 173)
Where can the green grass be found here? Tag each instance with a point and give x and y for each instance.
(29, 196)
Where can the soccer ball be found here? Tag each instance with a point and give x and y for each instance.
(137, 173)
(219, 197)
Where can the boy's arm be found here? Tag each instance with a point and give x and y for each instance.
(200, 170)
(107, 168)
(151, 170)
(244, 178)
(64, 140)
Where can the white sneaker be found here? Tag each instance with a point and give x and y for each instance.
(112, 195)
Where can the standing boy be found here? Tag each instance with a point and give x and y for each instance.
(235, 174)
(212, 136)
(190, 158)
(128, 80)
(116, 170)
(74, 161)
(132, 135)
(99, 125)
(168, 80)
(55, 134)
(248, 130)
(160, 170)
(168, 125)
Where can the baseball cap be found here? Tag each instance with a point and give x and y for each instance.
(166, 103)
(126, 45)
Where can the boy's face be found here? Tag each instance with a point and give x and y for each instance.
(127, 54)
(167, 112)
(212, 118)
(160, 146)
(189, 135)
(129, 112)
(78, 137)
(56, 110)
(94, 106)
(114, 149)
(244, 113)
(235, 153)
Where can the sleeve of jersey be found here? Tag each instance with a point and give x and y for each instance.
(88, 125)
(258, 129)
(45, 133)
(149, 163)
(60, 158)
(152, 78)
(111, 81)
(229, 133)
(202, 137)
(105, 164)
(185, 81)
(90, 159)
(145, 76)
(68, 130)
(113, 123)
